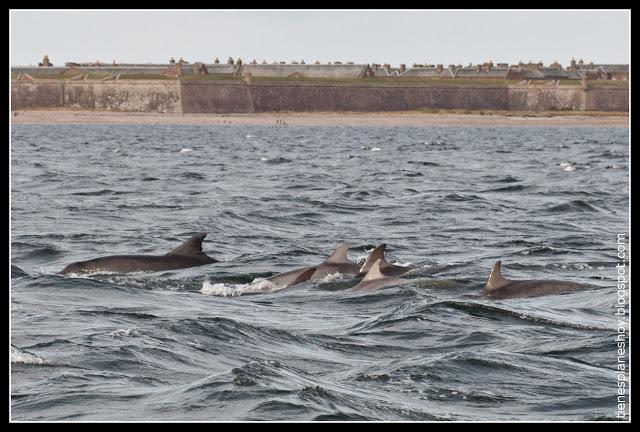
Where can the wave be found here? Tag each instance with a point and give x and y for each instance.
(20, 356)
(571, 206)
(514, 188)
(234, 290)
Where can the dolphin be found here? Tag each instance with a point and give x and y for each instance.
(293, 277)
(500, 288)
(188, 254)
(375, 279)
(336, 263)
(386, 268)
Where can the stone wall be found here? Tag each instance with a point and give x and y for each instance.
(607, 99)
(238, 97)
(560, 98)
(305, 97)
(143, 96)
(215, 98)
(34, 95)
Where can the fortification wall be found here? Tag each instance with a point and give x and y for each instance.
(145, 96)
(301, 97)
(215, 98)
(34, 95)
(560, 98)
(607, 99)
(238, 97)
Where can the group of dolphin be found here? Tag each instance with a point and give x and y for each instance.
(374, 274)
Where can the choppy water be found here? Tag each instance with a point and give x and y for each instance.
(452, 201)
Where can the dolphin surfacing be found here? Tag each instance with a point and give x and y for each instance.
(386, 268)
(293, 277)
(500, 288)
(375, 279)
(336, 263)
(188, 254)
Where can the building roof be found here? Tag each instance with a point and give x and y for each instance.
(307, 70)
(608, 68)
(428, 72)
(475, 73)
(553, 73)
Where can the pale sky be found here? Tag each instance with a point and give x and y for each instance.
(394, 37)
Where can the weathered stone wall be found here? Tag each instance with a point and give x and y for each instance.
(33, 95)
(560, 98)
(305, 97)
(238, 97)
(144, 96)
(568, 98)
(607, 99)
(215, 97)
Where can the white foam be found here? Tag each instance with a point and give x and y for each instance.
(566, 164)
(569, 168)
(362, 258)
(124, 332)
(21, 357)
(264, 159)
(376, 149)
(232, 290)
(249, 136)
(332, 277)
(185, 150)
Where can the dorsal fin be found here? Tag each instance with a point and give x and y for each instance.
(340, 255)
(304, 276)
(376, 254)
(495, 280)
(193, 246)
(374, 272)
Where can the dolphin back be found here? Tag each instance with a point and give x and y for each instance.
(192, 247)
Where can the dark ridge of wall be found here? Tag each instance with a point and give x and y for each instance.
(607, 99)
(141, 96)
(283, 97)
(215, 98)
(37, 95)
(32, 70)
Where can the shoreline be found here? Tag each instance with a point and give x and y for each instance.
(401, 118)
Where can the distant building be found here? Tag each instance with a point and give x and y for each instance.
(309, 70)
(617, 72)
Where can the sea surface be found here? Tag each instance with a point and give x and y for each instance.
(201, 344)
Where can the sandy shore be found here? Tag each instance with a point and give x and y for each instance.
(314, 119)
